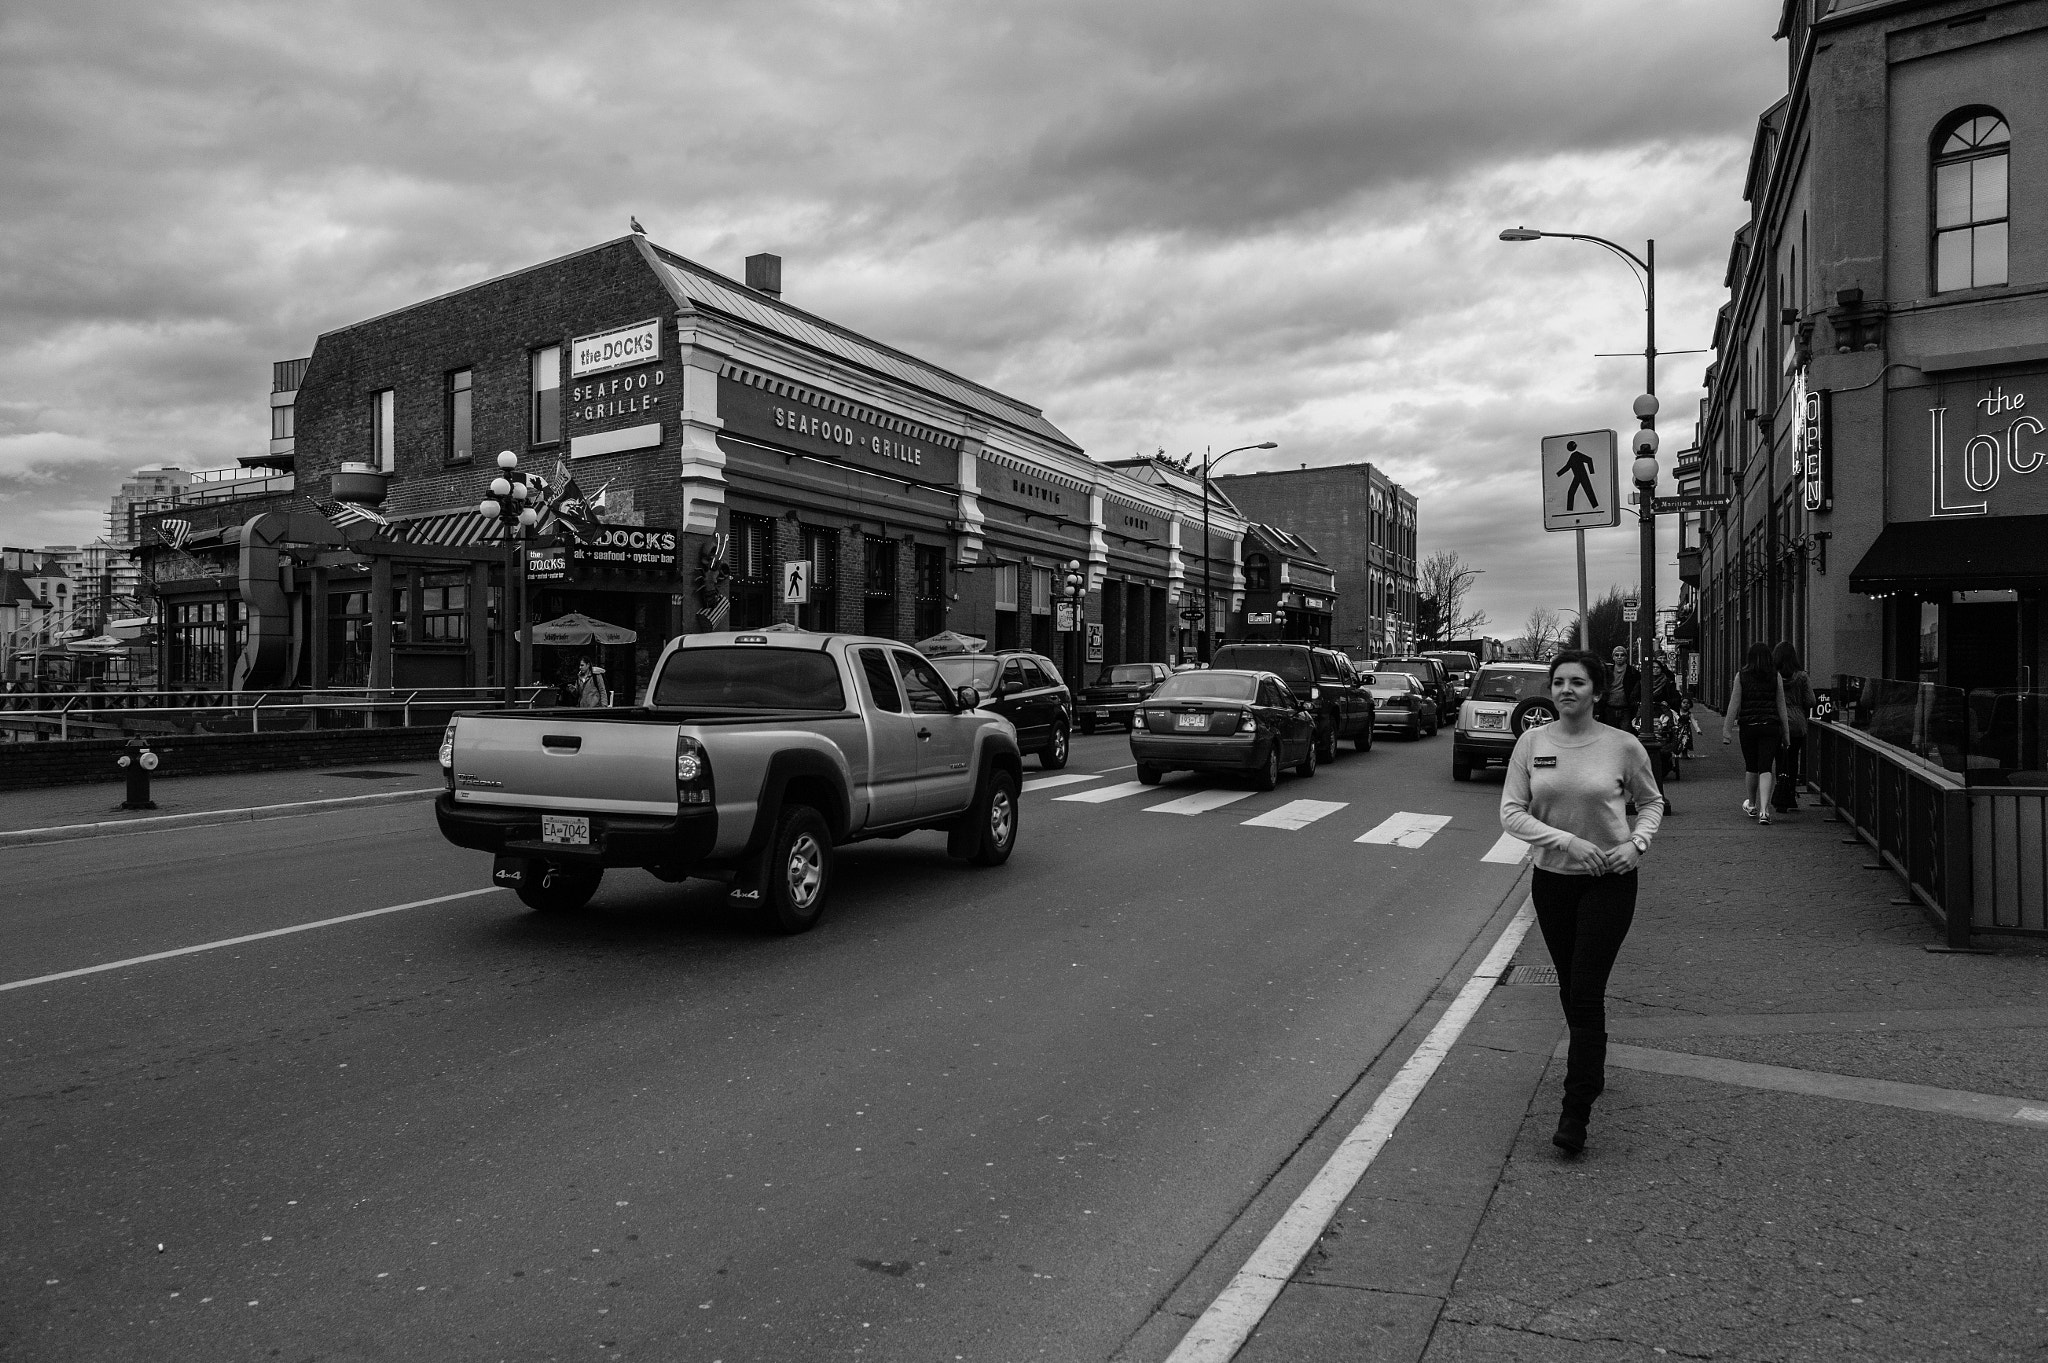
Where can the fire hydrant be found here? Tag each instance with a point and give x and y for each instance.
(138, 761)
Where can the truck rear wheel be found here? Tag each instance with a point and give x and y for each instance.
(558, 889)
(796, 871)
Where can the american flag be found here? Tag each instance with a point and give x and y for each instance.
(175, 532)
(345, 514)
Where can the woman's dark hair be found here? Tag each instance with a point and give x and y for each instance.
(1785, 658)
(1757, 662)
(1595, 669)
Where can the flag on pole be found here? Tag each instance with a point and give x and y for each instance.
(345, 514)
(175, 532)
(571, 508)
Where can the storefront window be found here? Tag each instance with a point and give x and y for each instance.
(1970, 207)
(878, 582)
(348, 639)
(753, 538)
(931, 590)
(444, 609)
(821, 548)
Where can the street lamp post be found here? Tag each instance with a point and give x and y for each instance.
(1644, 442)
(510, 505)
(1208, 591)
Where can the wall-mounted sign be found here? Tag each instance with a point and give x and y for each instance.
(789, 416)
(1258, 617)
(640, 550)
(546, 563)
(1967, 447)
(1094, 642)
(1063, 618)
(1810, 453)
(618, 348)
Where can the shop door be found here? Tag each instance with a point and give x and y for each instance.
(1984, 646)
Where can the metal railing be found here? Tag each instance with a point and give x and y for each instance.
(42, 716)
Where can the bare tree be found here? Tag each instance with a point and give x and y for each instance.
(1444, 584)
(1541, 630)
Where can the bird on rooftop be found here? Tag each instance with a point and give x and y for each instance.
(638, 230)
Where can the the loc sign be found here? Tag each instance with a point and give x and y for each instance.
(1581, 481)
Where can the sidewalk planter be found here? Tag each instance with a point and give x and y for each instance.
(1976, 856)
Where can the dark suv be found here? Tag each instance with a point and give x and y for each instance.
(1321, 677)
(1117, 690)
(1436, 684)
(1024, 688)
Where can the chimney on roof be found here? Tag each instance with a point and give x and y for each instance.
(764, 274)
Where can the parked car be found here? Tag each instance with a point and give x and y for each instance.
(1399, 704)
(1459, 670)
(1508, 698)
(750, 759)
(1435, 685)
(1114, 696)
(1024, 688)
(1224, 720)
(1322, 678)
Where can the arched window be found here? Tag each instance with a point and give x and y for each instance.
(1256, 577)
(1970, 159)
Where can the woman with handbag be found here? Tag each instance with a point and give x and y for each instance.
(1798, 704)
(1756, 708)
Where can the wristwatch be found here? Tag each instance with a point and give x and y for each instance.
(1642, 844)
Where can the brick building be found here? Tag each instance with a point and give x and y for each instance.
(1363, 523)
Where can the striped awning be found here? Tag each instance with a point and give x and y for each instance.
(447, 529)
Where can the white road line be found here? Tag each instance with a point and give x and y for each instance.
(1237, 1311)
(1509, 851)
(251, 937)
(1201, 802)
(1104, 771)
(1296, 814)
(1068, 779)
(1406, 829)
(1104, 794)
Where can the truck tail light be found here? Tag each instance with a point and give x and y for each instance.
(1246, 721)
(448, 756)
(693, 772)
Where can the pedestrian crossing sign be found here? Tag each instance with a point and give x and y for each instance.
(1581, 481)
(796, 583)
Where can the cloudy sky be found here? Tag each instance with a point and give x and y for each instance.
(1171, 223)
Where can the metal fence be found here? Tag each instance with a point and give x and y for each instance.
(1975, 855)
(44, 716)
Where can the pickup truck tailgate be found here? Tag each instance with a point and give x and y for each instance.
(543, 761)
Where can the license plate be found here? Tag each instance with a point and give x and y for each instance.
(571, 830)
(1198, 722)
(1490, 721)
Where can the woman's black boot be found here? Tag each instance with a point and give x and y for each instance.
(1585, 1075)
(1570, 1135)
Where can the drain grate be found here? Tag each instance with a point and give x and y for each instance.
(1532, 974)
(373, 775)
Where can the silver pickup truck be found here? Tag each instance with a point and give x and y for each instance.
(752, 757)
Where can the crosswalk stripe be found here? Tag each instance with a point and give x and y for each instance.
(1200, 802)
(1065, 779)
(1509, 851)
(1406, 829)
(1104, 794)
(1296, 814)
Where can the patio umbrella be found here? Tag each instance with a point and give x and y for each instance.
(568, 631)
(947, 642)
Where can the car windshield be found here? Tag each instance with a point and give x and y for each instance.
(1457, 664)
(1208, 686)
(1125, 674)
(1499, 683)
(1289, 663)
(1418, 670)
(750, 679)
(965, 669)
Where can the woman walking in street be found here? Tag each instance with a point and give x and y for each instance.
(1756, 709)
(1568, 785)
(1798, 701)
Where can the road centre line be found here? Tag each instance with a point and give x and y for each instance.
(251, 937)
(1230, 1319)
(1509, 851)
(1104, 794)
(1201, 802)
(1296, 814)
(1066, 779)
(1406, 829)
(1983, 1107)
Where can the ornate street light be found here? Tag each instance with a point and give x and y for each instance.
(510, 506)
(1208, 635)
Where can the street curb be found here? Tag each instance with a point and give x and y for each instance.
(200, 818)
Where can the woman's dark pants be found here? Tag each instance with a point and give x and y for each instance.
(1584, 920)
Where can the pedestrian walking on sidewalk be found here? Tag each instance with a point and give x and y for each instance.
(1756, 710)
(1798, 703)
(1568, 787)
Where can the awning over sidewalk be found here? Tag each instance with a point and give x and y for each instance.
(1979, 552)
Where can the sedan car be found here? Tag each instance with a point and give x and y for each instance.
(1399, 704)
(1117, 689)
(1024, 688)
(1224, 720)
(1507, 700)
(1435, 686)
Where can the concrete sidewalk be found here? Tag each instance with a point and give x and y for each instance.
(1818, 1140)
(64, 811)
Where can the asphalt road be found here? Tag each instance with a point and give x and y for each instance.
(976, 1115)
